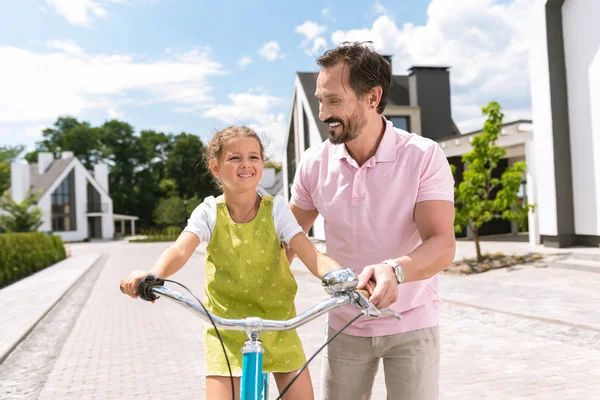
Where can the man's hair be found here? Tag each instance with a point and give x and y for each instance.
(368, 69)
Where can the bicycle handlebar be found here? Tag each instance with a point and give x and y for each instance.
(340, 284)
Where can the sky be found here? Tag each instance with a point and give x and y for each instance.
(197, 66)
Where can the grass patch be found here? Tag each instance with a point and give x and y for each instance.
(169, 234)
(156, 238)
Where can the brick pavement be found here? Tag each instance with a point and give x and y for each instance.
(560, 295)
(120, 348)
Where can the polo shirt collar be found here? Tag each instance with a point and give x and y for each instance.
(386, 151)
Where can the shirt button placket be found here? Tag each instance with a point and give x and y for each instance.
(358, 192)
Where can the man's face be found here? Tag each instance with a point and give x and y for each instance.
(340, 108)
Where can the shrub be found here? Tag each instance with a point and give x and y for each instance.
(22, 254)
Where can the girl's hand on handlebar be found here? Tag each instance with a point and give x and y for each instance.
(129, 285)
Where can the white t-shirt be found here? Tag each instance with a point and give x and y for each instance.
(204, 217)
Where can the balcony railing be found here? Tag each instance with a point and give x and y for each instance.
(97, 207)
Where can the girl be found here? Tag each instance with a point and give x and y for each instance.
(247, 271)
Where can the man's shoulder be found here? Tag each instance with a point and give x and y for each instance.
(414, 143)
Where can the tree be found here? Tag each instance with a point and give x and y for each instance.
(186, 167)
(480, 197)
(174, 211)
(8, 154)
(21, 217)
(69, 134)
(143, 168)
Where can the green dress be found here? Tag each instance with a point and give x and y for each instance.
(248, 275)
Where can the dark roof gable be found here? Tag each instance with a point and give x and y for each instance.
(44, 181)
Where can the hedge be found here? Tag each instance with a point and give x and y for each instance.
(22, 254)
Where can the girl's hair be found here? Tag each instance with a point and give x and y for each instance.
(215, 146)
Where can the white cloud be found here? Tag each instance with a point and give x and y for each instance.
(246, 60)
(114, 114)
(254, 110)
(326, 12)
(77, 12)
(26, 135)
(270, 51)
(42, 86)
(244, 107)
(81, 12)
(164, 128)
(312, 32)
(318, 44)
(483, 41)
(67, 46)
(379, 8)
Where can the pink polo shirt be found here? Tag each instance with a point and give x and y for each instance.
(368, 213)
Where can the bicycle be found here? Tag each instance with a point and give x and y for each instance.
(339, 284)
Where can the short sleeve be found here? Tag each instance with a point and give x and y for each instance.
(436, 180)
(285, 223)
(202, 221)
(301, 195)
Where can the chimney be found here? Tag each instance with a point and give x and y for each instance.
(388, 58)
(429, 89)
(101, 175)
(66, 154)
(44, 161)
(19, 181)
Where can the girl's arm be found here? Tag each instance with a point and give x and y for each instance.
(175, 257)
(169, 262)
(198, 229)
(318, 263)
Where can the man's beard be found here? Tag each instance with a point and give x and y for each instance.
(351, 128)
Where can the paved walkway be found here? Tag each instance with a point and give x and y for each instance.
(546, 346)
(549, 294)
(26, 301)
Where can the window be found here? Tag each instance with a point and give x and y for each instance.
(63, 205)
(93, 198)
(306, 130)
(400, 122)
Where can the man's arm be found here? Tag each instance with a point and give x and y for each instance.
(435, 223)
(306, 219)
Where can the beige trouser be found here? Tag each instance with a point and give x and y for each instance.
(410, 364)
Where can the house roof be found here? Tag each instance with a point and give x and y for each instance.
(399, 94)
(308, 80)
(43, 181)
(474, 133)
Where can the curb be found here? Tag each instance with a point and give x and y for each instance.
(15, 338)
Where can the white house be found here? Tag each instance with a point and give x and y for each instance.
(564, 62)
(75, 203)
(271, 182)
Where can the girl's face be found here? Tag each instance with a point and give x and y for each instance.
(240, 166)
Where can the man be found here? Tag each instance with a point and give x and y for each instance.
(387, 200)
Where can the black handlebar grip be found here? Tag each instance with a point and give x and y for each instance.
(144, 288)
